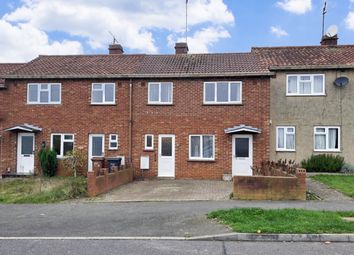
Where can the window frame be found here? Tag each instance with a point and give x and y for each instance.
(327, 137)
(215, 102)
(147, 148)
(312, 84)
(201, 158)
(62, 136)
(159, 102)
(114, 141)
(104, 93)
(39, 91)
(285, 133)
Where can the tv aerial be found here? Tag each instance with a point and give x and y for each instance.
(332, 31)
(115, 41)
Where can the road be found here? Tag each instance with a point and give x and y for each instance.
(127, 247)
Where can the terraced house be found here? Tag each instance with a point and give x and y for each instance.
(183, 115)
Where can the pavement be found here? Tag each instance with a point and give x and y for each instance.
(168, 190)
(324, 192)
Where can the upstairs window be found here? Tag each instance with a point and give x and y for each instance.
(62, 144)
(160, 93)
(305, 85)
(222, 92)
(113, 142)
(103, 93)
(44, 93)
(327, 139)
(286, 138)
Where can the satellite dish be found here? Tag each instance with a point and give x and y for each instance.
(341, 81)
(332, 31)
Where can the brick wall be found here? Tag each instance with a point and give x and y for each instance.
(186, 116)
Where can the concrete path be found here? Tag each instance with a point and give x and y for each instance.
(168, 190)
(324, 192)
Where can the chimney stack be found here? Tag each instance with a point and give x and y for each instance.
(181, 48)
(115, 49)
(329, 40)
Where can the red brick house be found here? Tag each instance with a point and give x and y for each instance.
(188, 115)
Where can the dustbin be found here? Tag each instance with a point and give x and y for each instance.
(113, 162)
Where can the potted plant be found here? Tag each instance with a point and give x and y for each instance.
(227, 176)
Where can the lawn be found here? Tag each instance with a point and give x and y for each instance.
(342, 183)
(41, 190)
(255, 220)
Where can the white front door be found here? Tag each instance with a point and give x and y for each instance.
(96, 148)
(166, 160)
(242, 155)
(25, 153)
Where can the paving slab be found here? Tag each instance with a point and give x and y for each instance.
(168, 190)
(325, 192)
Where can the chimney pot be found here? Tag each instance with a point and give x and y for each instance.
(329, 40)
(181, 48)
(115, 49)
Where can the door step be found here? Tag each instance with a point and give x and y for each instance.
(165, 178)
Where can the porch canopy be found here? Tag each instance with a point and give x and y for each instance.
(24, 128)
(243, 129)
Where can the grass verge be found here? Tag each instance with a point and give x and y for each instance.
(299, 221)
(41, 190)
(342, 183)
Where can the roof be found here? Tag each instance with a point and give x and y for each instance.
(242, 129)
(141, 66)
(306, 57)
(7, 68)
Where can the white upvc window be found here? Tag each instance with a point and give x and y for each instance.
(222, 92)
(43, 93)
(160, 93)
(326, 138)
(149, 142)
(113, 142)
(202, 147)
(285, 138)
(103, 93)
(62, 144)
(305, 85)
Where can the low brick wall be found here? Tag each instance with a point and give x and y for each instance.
(271, 187)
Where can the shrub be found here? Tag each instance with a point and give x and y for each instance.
(74, 161)
(77, 187)
(48, 161)
(347, 168)
(275, 168)
(323, 163)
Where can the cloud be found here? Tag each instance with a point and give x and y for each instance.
(133, 22)
(202, 39)
(296, 6)
(349, 20)
(24, 42)
(278, 31)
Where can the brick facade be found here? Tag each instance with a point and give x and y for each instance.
(186, 116)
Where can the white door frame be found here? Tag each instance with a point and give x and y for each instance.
(166, 164)
(25, 163)
(89, 163)
(235, 161)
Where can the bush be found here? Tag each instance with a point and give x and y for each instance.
(74, 161)
(275, 168)
(77, 187)
(323, 163)
(347, 168)
(48, 161)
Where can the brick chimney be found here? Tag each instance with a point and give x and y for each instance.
(329, 40)
(115, 49)
(181, 48)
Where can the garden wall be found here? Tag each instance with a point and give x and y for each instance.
(271, 187)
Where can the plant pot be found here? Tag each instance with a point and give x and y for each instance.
(227, 177)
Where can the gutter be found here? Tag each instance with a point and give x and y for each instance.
(131, 76)
(310, 67)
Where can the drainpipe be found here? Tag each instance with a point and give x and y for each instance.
(130, 120)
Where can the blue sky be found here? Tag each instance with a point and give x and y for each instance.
(32, 27)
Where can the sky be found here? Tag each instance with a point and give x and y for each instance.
(29, 28)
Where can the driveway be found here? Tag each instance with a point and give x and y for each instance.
(168, 190)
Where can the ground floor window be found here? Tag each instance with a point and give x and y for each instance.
(201, 147)
(113, 141)
(285, 138)
(62, 144)
(149, 142)
(327, 138)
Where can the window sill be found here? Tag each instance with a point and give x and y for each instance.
(157, 104)
(43, 103)
(149, 150)
(285, 150)
(202, 160)
(222, 104)
(307, 95)
(333, 151)
(103, 104)
(115, 149)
